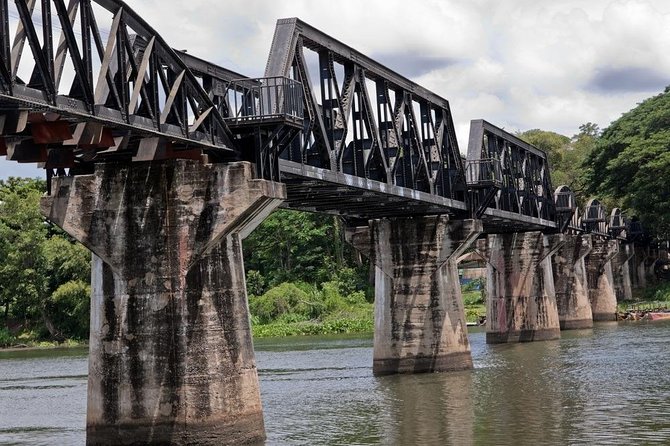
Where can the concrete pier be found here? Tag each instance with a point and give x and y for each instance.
(521, 304)
(601, 283)
(570, 283)
(419, 316)
(623, 288)
(641, 256)
(171, 355)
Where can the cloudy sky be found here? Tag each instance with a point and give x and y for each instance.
(521, 64)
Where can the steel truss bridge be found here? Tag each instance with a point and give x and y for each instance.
(91, 82)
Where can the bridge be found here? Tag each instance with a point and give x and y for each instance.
(161, 163)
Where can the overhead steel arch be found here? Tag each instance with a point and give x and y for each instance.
(617, 224)
(595, 218)
(567, 211)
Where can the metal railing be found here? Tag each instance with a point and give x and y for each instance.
(253, 100)
(483, 173)
(565, 201)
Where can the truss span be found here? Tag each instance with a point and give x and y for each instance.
(92, 80)
(364, 125)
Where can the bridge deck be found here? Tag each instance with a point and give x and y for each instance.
(322, 190)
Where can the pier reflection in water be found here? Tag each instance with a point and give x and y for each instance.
(609, 385)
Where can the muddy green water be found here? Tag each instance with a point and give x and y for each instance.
(609, 385)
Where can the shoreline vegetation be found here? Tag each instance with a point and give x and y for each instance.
(289, 311)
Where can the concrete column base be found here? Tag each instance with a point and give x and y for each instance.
(171, 357)
(600, 281)
(537, 334)
(419, 316)
(422, 364)
(577, 324)
(570, 283)
(521, 304)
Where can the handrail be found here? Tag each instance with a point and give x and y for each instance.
(264, 98)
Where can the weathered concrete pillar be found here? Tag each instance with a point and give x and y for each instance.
(171, 355)
(601, 283)
(572, 291)
(521, 302)
(641, 255)
(621, 272)
(419, 316)
(649, 266)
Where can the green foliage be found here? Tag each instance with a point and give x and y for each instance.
(552, 143)
(68, 309)
(6, 338)
(566, 155)
(282, 299)
(43, 275)
(292, 246)
(255, 283)
(302, 309)
(658, 293)
(630, 163)
(474, 297)
(22, 232)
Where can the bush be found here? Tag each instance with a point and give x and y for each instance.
(6, 338)
(282, 299)
(473, 298)
(255, 283)
(68, 309)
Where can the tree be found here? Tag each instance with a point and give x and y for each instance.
(22, 232)
(552, 143)
(44, 275)
(631, 161)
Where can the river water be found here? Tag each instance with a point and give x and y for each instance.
(609, 385)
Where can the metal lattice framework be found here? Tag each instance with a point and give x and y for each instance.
(366, 122)
(567, 211)
(92, 79)
(509, 179)
(595, 218)
(617, 224)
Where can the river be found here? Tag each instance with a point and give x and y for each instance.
(609, 385)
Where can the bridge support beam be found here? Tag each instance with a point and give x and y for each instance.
(419, 316)
(171, 356)
(521, 304)
(601, 283)
(570, 283)
(621, 272)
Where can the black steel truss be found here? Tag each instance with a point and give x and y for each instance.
(123, 92)
(364, 120)
(509, 178)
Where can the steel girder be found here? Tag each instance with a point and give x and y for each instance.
(523, 194)
(366, 121)
(123, 94)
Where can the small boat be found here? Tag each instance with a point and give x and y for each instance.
(658, 316)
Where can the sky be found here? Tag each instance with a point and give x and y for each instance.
(520, 64)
